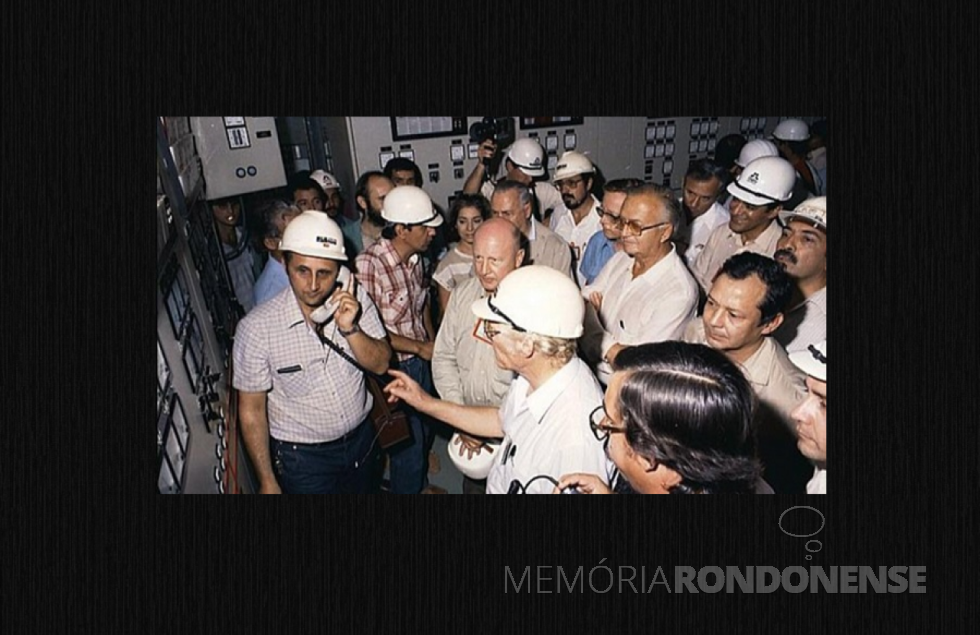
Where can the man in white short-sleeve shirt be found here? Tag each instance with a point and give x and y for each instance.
(544, 418)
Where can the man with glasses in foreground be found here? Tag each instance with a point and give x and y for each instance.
(605, 242)
(644, 293)
(544, 416)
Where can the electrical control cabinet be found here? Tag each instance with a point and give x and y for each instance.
(239, 154)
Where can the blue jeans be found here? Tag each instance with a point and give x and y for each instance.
(345, 466)
(409, 465)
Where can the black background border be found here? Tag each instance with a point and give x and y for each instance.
(91, 547)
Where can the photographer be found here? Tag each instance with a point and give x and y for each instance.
(524, 162)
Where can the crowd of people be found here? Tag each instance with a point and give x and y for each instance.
(576, 334)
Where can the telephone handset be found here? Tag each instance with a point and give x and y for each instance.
(324, 312)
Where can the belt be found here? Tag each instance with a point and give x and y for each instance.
(344, 437)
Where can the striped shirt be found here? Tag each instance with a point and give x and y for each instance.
(313, 394)
(399, 289)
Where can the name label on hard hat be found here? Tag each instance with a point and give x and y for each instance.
(326, 239)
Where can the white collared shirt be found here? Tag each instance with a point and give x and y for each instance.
(817, 484)
(548, 432)
(700, 229)
(653, 307)
(576, 235)
(804, 325)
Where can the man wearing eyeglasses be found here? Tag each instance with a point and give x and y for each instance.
(544, 415)
(644, 293)
(574, 220)
(394, 274)
(511, 200)
(606, 242)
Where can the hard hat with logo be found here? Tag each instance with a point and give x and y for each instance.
(410, 205)
(325, 180)
(572, 163)
(812, 210)
(764, 181)
(536, 299)
(791, 130)
(314, 234)
(477, 466)
(528, 155)
(812, 361)
(756, 149)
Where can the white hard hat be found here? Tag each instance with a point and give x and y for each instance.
(410, 205)
(325, 180)
(764, 181)
(314, 234)
(812, 361)
(812, 210)
(537, 299)
(791, 130)
(572, 163)
(756, 149)
(528, 155)
(476, 467)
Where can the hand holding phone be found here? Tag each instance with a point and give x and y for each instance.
(325, 312)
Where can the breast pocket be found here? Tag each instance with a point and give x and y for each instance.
(294, 381)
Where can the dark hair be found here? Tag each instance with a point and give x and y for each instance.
(621, 185)
(819, 129)
(727, 150)
(705, 170)
(400, 164)
(465, 200)
(509, 185)
(666, 196)
(302, 181)
(691, 409)
(779, 286)
(360, 188)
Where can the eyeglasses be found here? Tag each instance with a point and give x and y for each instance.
(601, 429)
(603, 213)
(506, 318)
(484, 331)
(569, 183)
(634, 228)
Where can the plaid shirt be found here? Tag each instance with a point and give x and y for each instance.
(313, 394)
(398, 289)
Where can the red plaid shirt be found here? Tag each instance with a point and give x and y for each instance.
(398, 289)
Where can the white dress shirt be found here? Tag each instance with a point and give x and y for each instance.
(548, 432)
(653, 307)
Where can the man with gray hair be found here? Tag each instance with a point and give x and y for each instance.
(511, 200)
(274, 216)
(645, 292)
(544, 415)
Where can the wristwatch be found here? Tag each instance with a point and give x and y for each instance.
(353, 329)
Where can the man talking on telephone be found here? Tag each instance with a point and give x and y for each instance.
(303, 408)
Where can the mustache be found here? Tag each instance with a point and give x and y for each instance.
(785, 252)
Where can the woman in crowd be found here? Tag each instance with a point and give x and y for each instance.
(466, 214)
(676, 419)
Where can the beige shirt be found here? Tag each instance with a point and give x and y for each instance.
(776, 381)
(653, 307)
(550, 249)
(464, 368)
(724, 243)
